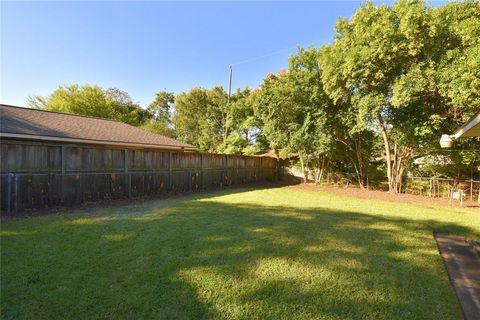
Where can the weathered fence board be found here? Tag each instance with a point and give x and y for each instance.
(37, 175)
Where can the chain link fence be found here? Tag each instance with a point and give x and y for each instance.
(441, 187)
(424, 186)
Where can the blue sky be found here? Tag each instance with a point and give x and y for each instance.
(145, 47)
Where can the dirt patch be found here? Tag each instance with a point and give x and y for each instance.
(385, 196)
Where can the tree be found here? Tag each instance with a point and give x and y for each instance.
(123, 109)
(296, 112)
(458, 71)
(83, 100)
(244, 134)
(197, 119)
(387, 64)
(92, 101)
(161, 110)
(204, 117)
(162, 107)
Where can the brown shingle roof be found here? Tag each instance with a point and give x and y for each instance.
(48, 125)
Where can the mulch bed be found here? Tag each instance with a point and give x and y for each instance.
(385, 196)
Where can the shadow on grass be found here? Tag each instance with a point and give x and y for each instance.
(206, 259)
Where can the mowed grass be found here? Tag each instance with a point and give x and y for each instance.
(279, 253)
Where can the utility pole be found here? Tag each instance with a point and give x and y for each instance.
(229, 82)
(225, 133)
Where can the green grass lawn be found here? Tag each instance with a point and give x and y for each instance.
(239, 254)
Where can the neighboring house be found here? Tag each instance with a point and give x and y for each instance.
(24, 124)
(437, 159)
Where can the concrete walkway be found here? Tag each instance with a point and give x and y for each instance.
(463, 265)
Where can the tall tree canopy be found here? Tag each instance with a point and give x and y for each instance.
(205, 118)
(198, 117)
(161, 110)
(92, 101)
(244, 127)
(296, 112)
(395, 67)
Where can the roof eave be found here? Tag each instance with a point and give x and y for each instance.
(463, 130)
(96, 142)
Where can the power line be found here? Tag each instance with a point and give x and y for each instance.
(255, 59)
(269, 54)
(262, 56)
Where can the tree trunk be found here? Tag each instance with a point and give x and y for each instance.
(388, 156)
(357, 161)
(304, 171)
(316, 174)
(471, 183)
(324, 166)
(359, 175)
(399, 177)
(361, 169)
(478, 199)
(319, 170)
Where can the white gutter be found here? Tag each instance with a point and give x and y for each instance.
(466, 127)
(446, 141)
(97, 142)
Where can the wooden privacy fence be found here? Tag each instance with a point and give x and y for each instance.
(38, 175)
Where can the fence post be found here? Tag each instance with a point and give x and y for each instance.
(62, 193)
(202, 184)
(62, 159)
(16, 193)
(471, 189)
(260, 173)
(126, 173)
(277, 169)
(125, 160)
(170, 182)
(190, 184)
(9, 193)
(77, 187)
(224, 179)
